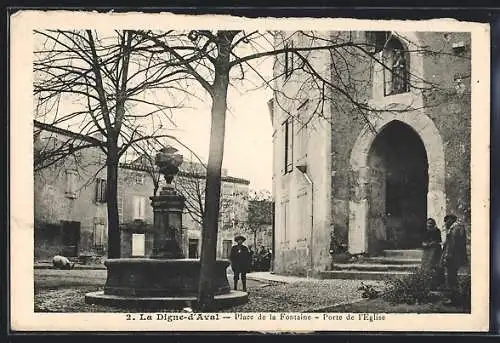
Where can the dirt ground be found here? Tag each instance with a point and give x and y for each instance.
(64, 291)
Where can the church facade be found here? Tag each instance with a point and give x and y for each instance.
(387, 147)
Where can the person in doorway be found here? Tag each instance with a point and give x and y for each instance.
(431, 257)
(240, 262)
(454, 254)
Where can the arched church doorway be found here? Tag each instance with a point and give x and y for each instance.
(397, 191)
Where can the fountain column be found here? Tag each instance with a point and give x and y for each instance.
(167, 279)
(167, 208)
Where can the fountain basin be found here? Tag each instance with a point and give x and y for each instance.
(221, 301)
(161, 283)
(160, 277)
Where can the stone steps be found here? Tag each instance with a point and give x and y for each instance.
(406, 253)
(392, 263)
(390, 260)
(369, 274)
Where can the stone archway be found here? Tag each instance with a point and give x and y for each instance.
(362, 174)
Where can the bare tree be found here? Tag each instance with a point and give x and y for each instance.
(191, 184)
(217, 59)
(106, 84)
(260, 213)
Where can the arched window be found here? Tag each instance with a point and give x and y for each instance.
(396, 68)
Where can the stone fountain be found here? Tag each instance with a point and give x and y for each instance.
(166, 279)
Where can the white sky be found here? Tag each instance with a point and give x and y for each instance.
(248, 141)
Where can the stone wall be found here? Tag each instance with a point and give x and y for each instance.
(439, 115)
(450, 108)
(448, 111)
(53, 206)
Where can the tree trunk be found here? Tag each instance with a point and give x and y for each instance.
(255, 238)
(212, 204)
(114, 238)
(156, 185)
(212, 192)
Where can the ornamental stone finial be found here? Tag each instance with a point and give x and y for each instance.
(168, 162)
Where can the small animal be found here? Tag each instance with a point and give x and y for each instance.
(61, 262)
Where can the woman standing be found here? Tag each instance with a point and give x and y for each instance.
(432, 252)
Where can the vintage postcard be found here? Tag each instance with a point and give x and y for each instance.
(217, 173)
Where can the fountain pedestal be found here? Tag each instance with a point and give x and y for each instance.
(167, 279)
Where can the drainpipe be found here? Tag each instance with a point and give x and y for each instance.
(303, 170)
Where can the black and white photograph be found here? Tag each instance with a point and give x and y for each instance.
(249, 173)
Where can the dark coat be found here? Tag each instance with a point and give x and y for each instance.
(240, 258)
(431, 249)
(455, 247)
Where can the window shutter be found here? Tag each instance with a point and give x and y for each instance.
(98, 234)
(137, 204)
(280, 139)
(73, 182)
(70, 183)
(143, 208)
(101, 234)
(285, 143)
(103, 191)
(97, 189)
(289, 165)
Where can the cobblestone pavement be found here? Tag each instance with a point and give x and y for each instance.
(64, 291)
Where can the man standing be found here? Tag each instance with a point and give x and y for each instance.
(240, 262)
(454, 253)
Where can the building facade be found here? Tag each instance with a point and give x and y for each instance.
(366, 183)
(71, 212)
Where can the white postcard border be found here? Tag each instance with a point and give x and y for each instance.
(23, 317)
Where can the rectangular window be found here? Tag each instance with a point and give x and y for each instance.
(139, 207)
(71, 183)
(138, 244)
(100, 193)
(288, 126)
(302, 133)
